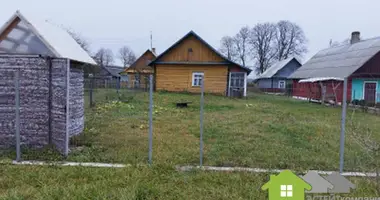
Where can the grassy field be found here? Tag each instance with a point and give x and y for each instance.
(261, 131)
(138, 183)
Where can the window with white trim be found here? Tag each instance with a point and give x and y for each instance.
(281, 84)
(286, 190)
(197, 78)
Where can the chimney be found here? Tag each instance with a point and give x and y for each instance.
(154, 50)
(355, 37)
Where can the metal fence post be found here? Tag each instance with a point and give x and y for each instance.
(201, 125)
(343, 126)
(91, 90)
(150, 118)
(17, 108)
(118, 85)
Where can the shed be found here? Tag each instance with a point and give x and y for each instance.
(191, 60)
(49, 63)
(108, 77)
(275, 78)
(357, 62)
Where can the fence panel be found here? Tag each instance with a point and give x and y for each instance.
(116, 123)
(322, 123)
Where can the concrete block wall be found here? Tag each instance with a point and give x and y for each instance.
(34, 102)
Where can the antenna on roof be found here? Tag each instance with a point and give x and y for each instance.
(151, 40)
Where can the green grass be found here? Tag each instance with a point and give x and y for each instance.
(157, 182)
(130, 183)
(261, 131)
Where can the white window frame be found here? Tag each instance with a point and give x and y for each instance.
(279, 84)
(286, 191)
(193, 78)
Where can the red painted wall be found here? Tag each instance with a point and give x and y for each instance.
(313, 90)
(370, 69)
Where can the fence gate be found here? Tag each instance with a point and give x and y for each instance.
(237, 86)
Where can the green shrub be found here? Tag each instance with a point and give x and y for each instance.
(355, 102)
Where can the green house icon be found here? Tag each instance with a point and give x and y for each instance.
(286, 185)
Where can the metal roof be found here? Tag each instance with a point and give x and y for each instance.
(339, 62)
(313, 80)
(36, 32)
(192, 33)
(114, 70)
(273, 69)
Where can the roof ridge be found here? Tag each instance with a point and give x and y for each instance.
(57, 41)
(349, 44)
(343, 52)
(191, 32)
(283, 63)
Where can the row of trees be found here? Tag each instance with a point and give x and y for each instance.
(104, 56)
(264, 44)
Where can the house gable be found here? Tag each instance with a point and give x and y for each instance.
(21, 35)
(288, 69)
(191, 49)
(141, 64)
(18, 37)
(371, 67)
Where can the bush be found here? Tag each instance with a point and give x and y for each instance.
(362, 102)
(355, 102)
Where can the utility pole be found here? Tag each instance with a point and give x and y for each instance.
(151, 40)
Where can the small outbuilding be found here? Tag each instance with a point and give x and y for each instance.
(275, 78)
(49, 64)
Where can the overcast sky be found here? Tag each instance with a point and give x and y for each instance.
(114, 23)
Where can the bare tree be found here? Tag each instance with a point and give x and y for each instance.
(241, 41)
(228, 48)
(104, 57)
(290, 40)
(262, 40)
(80, 40)
(126, 56)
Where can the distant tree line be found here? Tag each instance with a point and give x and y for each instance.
(264, 44)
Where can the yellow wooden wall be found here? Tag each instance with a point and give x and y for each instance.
(178, 78)
(200, 52)
(144, 80)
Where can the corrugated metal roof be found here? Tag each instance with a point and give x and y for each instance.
(273, 69)
(339, 61)
(313, 80)
(55, 38)
(114, 70)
